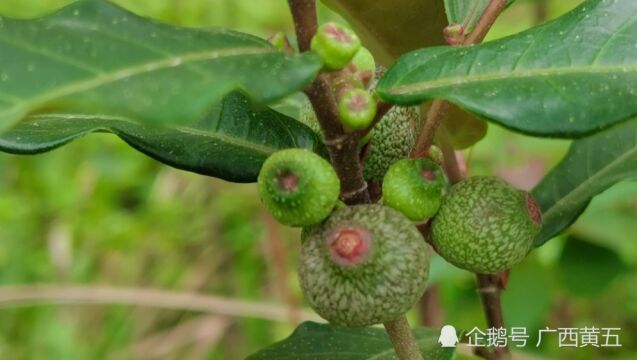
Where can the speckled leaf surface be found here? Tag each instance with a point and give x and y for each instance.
(567, 78)
(591, 166)
(325, 342)
(391, 28)
(230, 143)
(94, 57)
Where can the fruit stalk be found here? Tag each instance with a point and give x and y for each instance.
(403, 339)
(490, 289)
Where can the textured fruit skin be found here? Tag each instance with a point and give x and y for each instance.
(386, 283)
(315, 193)
(392, 140)
(485, 225)
(414, 187)
(335, 44)
(357, 109)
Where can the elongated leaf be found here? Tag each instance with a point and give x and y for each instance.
(325, 342)
(591, 166)
(569, 77)
(466, 12)
(230, 143)
(391, 28)
(94, 57)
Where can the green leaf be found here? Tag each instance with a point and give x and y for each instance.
(93, 57)
(322, 341)
(587, 269)
(591, 166)
(466, 12)
(230, 143)
(390, 28)
(568, 77)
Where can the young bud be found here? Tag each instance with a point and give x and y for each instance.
(336, 45)
(454, 34)
(357, 109)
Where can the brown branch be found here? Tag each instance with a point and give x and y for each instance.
(490, 289)
(342, 147)
(31, 295)
(438, 107)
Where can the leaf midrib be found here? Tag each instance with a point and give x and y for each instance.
(127, 72)
(215, 135)
(611, 166)
(512, 75)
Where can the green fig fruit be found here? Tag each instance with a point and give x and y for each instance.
(298, 187)
(414, 187)
(392, 139)
(357, 109)
(485, 225)
(366, 264)
(336, 45)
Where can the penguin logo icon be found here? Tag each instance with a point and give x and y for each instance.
(448, 336)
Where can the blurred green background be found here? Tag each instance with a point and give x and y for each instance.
(98, 215)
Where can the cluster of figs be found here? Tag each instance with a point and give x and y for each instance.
(367, 264)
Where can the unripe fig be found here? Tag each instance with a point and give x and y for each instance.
(298, 187)
(364, 265)
(414, 187)
(357, 109)
(335, 44)
(485, 225)
(364, 65)
(392, 138)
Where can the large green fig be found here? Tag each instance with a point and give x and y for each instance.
(298, 187)
(485, 225)
(364, 265)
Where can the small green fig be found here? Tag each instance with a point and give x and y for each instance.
(392, 138)
(364, 65)
(364, 265)
(298, 187)
(414, 187)
(485, 225)
(357, 109)
(336, 45)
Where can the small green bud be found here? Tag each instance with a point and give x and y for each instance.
(454, 34)
(357, 109)
(435, 154)
(336, 45)
(414, 187)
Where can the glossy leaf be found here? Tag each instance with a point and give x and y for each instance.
(390, 28)
(591, 166)
(326, 342)
(569, 77)
(94, 57)
(230, 143)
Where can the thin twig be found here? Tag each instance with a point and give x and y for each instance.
(436, 111)
(403, 339)
(342, 147)
(30, 295)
